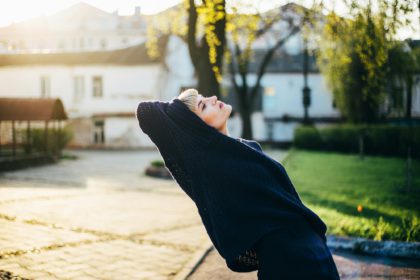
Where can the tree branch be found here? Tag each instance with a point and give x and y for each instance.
(233, 76)
(267, 27)
(242, 68)
(267, 59)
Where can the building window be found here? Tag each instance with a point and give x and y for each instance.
(82, 43)
(103, 44)
(45, 86)
(97, 86)
(62, 44)
(79, 88)
(270, 91)
(99, 132)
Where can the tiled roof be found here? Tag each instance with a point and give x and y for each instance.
(128, 56)
(34, 109)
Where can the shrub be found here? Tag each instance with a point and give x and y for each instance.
(384, 140)
(157, 163)
(307, 137)
(57, 140)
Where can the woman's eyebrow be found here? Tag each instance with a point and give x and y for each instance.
(199, 103)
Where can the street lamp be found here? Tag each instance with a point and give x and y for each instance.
(306, 91)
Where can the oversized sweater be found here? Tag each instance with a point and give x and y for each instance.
(241, 193)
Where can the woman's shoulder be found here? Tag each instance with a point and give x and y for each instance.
(252, 143)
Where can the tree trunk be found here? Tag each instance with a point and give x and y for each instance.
(409, 91)
(246, 125)
(199, 53)
(207, 82)
(245, 111)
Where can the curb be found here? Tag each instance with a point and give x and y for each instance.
(398, 249)
(194, 262)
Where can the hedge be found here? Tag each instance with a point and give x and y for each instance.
(57, 140)
(383, 140)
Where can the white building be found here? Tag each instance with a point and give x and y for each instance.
(100, 90)
(81, 27)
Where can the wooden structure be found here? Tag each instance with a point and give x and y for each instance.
(29, 110)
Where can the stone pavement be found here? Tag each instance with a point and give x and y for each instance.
(97, 217)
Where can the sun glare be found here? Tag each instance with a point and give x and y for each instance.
(20, 10)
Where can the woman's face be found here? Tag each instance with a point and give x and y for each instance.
(212, 111)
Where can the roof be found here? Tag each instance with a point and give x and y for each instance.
(282, 62)
(128, 56)
(33, 109)
(76, 17)
(413, 43)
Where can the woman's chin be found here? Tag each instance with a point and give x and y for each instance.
(228, 109)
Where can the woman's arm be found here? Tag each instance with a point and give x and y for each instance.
(151, 120)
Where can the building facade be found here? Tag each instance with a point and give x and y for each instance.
(78, 28)
(101, 87)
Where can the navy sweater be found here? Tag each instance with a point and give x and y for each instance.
(241, 193)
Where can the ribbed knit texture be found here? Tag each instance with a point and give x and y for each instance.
(241, 193)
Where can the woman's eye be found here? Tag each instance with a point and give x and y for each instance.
(204, 106)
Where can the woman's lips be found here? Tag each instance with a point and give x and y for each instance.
(221, 105)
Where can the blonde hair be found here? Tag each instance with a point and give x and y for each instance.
(189, 98)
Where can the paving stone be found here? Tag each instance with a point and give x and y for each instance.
(193, 236)
(96, 218)
(119, 212)
(20, 190)
(132, 259)
(17, 236)
(96, 170)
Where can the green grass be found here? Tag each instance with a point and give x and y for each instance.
(333, 185)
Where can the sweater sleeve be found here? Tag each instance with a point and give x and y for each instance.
(145, 115)
(252, 143)
(257, 145)
(152, 123)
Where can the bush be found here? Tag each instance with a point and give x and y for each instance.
(157, 163)
(57, 140)
(308, 137)
(378, 139)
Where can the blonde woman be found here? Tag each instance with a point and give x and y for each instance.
(247, 202)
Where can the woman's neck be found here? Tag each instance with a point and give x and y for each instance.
(224, 129)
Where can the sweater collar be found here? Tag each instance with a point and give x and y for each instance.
(190, 122)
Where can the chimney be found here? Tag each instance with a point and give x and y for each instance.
(137, 10)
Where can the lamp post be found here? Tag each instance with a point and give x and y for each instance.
(306, 91)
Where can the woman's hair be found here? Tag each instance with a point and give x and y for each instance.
(189, 98)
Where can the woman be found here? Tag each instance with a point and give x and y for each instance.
(248, 205)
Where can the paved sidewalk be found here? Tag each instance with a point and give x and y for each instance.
(98, 217)
(93, 219)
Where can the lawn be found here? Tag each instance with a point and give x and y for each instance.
(356, 197)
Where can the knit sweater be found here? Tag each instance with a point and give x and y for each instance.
(241, 193)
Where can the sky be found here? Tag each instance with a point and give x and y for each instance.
(19, 10)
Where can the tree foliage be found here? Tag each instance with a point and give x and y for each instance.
(244, 31)
(403, 63)
(202, 25)
(354, 54)
(220, 33)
